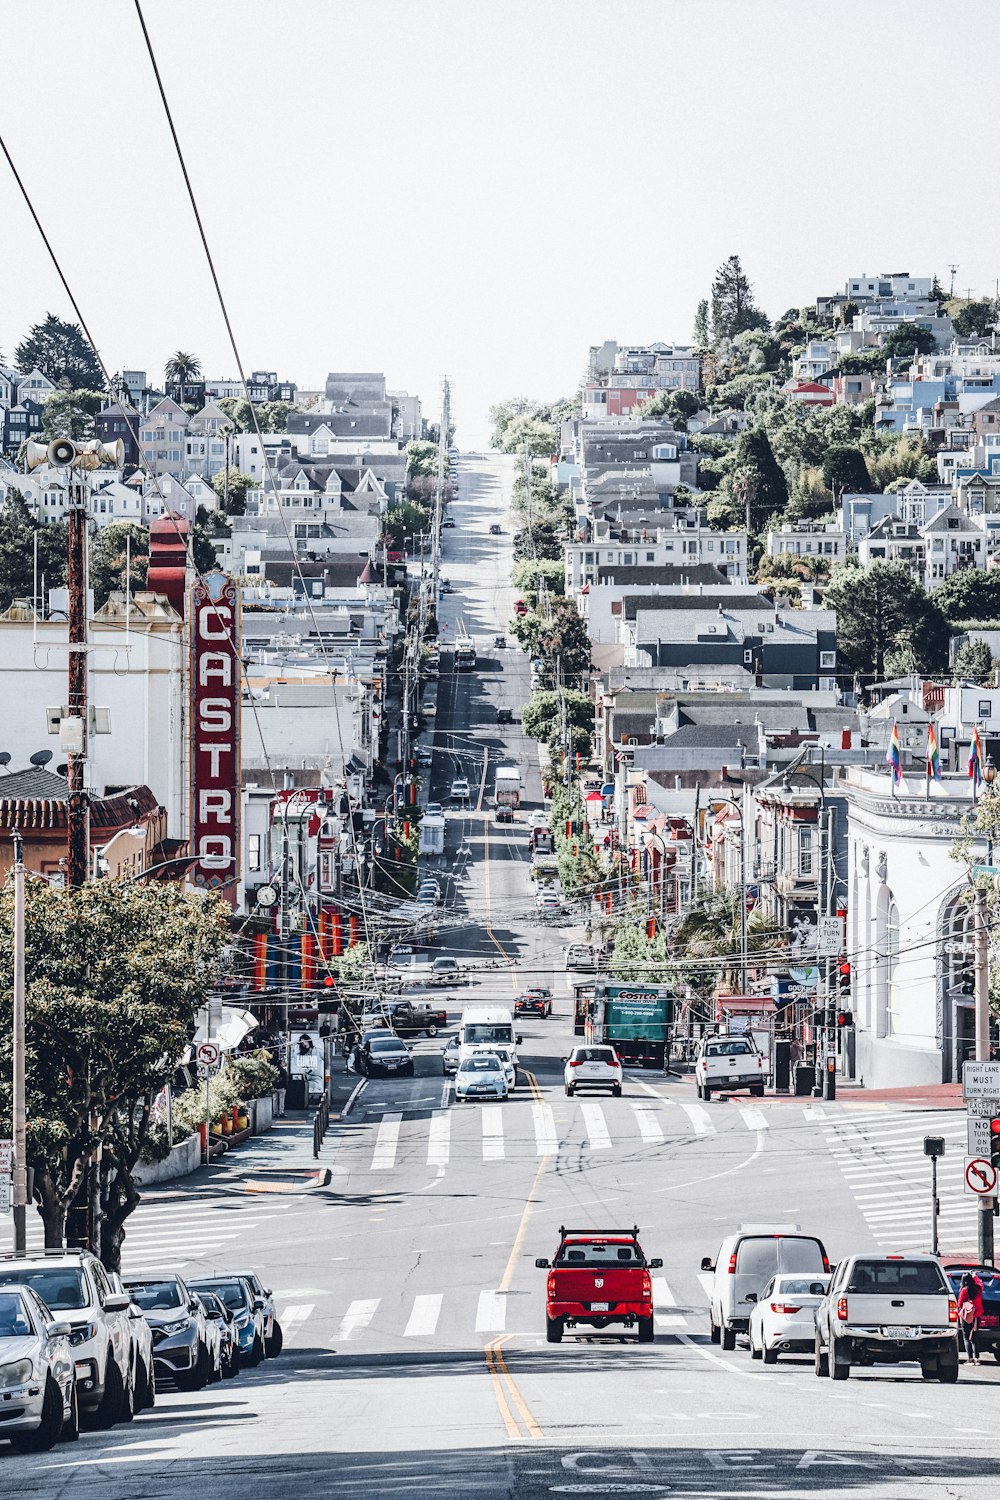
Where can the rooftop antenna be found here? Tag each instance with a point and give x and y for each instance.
(951, 289)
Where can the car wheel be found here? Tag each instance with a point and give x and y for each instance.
(754, 1351)
(432, 1031)
(109, 1410)
(616, 1091)
(645, 1326)
(839, 1360)
(71, 1425)
(257, 1352)
(216, 1376)
(770, 1356)
(232, 1368)
(728, 1337)
(553, 1330)
(128, 1398)
(198, 1376)
(569, 1091)
(274, 1345)
(706, 1091)
(757, 1092)
(929, 1369)
(141, 1397)
(947, 1368)
(46, 1435)
(697, 1090)
(821, 1361)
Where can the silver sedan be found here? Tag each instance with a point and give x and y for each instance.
(37, 1374)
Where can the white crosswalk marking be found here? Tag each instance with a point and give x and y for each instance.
(491, 1314)
(386, 1143)
(701, 1120)
(439, 1139)
(357, 1317)
(649, 1125)
(665, 1306)
(492, 1132)
(814, 1111)
(423, 1316)
(597, 1126)
(292, 1319)
(546, 1140)
(753, 1118)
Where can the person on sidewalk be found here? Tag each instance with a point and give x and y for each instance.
(970, 1313)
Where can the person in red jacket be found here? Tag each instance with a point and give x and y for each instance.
(970, 1312)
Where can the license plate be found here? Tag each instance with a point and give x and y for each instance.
(600, 1306)
(901, 1332)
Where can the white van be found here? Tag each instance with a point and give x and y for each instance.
(745, 1264)
(483, 1027)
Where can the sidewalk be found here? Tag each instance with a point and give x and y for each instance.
(286, 1150)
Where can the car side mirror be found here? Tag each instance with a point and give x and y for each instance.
(58, 1330)
(706, 1263)
(519, 1040)
(542, 1265)
(134, 1311)
(193, 1305)
(117, 1302)
(258, 1304)
(751, 1297)
(655, 1264)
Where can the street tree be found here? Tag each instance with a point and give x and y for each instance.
(421, 459)
(881, 609)
(542, 715)
(61, 351)
(844, 470)
(975, 319)
(733, 308)
(115, 973)
(758, 482)
(636, 958)
(70, 414)
(540, 437)
(181, 368)
(402, 521)
(528, 574)
(560, 636)
(18, 533)
(974, 663)
(122, 546)
(504, 412)
(231, 487)
(539, 540)
(970, 594)
(908, 339)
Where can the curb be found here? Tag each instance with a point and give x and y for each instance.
(352, 1100)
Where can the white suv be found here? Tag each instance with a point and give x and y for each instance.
(77, 1289)
(593, 1067)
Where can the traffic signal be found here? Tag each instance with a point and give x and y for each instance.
(845, 1018)
(651, 927)
(844, 978)
(995, 1141)
(967, 980)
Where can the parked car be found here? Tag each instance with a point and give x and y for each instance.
(213, 1341)
(580, 956)
(887, 1310)
(37, 1375)
(988, 1333)
(548, 905)
(445, 968)
(745, 1264)
(481, 1076)
(598, 1278)
(446, 587)
(505, 716)
(520, 608)
(592, 1067)
(496, 529)
(386, 1056)
(446, 523)
(459, 789)
(449, 1057)
(184, 1350)
(783, 1319)
(76, 1288)
(248, 1318)
(725, 1063)
(428, 895)
(217, 1310)
(274, 1339)
(143, 1365)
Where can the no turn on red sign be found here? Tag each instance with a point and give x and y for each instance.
(980, 1176)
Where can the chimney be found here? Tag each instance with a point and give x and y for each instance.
(845, 739)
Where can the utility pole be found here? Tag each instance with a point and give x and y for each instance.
(20, 1106)
(78, 818)
(982, 992)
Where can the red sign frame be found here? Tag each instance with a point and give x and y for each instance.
(215, 734)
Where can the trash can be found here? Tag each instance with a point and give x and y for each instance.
(805, 1078)
(782, 1066)
(296, 1096)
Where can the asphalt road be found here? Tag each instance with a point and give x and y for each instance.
(415, 1361)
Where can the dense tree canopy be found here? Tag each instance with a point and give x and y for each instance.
(114, 548)
(231, 487)
(880, 610)
(970, 594)
(733, 308)
(18, 530)
(757, 482)
(974, 663)
(907, 338)
(844, 470)
(61, 351)
(403, 521)
(70, 414)
(974, 319)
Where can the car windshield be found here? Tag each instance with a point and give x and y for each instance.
(385, 1044)
(727, 1049)
(479, 1031)
(594, 1054)
(15, 1320)
(600, 1255)
(481, 1065)
(155, 1296)
(921, 1278)
(62, 1288)
(797, 1286)
(232, 1293)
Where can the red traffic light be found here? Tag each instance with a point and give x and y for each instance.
(328, 981)
(845, 968)
(995, 1127)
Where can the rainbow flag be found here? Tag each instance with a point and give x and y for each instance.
(933, 758)
(892, 755)
(976, 758)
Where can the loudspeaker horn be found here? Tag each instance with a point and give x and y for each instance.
(35, 454)
(61, 453)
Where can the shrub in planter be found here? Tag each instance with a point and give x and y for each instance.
(254, 1075)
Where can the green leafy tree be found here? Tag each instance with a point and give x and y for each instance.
(231, 488)
(540, 540)
(702, 325)
(527, 575)
(541, 718)
(733, 308)
(844, 469)
(905, 457)
(402, 521)
(238, 410)
(882, 609)
(182, 368)
(115, 973)
(540, 437)
(421, 459)
(504, 412)
(974, 663)
(975, 319)
(112, 549)
(61, 351)
(907, 338)
(636, 958)
(970, 594)
(70, 414)
(18, 530)
(758, 483)
(561, 638)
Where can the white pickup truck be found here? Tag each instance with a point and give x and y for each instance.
(725, 1063)
(887, 1309)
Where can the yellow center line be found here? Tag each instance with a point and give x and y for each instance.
(515, 1249)
(513, 1431)
(533, 1429)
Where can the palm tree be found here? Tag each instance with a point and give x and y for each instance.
(181, 368)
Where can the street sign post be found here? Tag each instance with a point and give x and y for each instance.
(208, 1054)
(981, 1080)
(980, 1176)
(6, 1195)
(6, 1158)
(829, 937)
(983, 1107)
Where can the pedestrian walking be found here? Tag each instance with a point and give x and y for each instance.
(970, 1313)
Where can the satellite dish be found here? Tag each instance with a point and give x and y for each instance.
(4, 757)
(41, 758)
(62, 770)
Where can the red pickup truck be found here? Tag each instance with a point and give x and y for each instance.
(599, 1277)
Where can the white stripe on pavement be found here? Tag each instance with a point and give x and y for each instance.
(492, 1132)
(701, 1120)
(357, 1317)
(424, 1316)
(546, 1140)
(649, 1125)
(665, 1306)
(439, 1139)
(386, 1143)
(292, 1318)
(754, 1119)
(597, 1128)
(814, 1111)
(491, 1314)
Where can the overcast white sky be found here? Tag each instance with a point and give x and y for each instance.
(483, 188)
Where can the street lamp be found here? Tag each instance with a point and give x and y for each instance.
(655, 834)
(743, 889)
(934, 1147)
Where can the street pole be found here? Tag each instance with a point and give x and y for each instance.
(20, 1105)
(77, 857)
(982, 991)
(934, 1207)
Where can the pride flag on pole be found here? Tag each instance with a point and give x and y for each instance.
(933, 758)
(892, 754)
(976, 758)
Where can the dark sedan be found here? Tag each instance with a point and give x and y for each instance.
(385, 1055)
(533, 1003)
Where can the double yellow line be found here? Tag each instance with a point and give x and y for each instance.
(505, 1386)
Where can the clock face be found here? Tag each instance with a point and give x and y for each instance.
(266, 895)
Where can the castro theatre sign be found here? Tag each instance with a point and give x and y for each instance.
(215, 733)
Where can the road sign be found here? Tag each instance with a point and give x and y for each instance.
(208, 1053)
(980, 1176)
(6, 1158)
(980, 1139)
(6, 1195)
(983, 1106)
(207, 1070)
(981, 1079)
(830, 937)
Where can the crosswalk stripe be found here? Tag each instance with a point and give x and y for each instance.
(292, 1318)
(546, 1140)
(701, 1120)
(754, 1119)
(649, 1126)
(491, 1314)
(665, 1306)
(358, 1316)
(423, 1316)
(597, 1126)
(493, 1148)
(814, 1111)
(386, 1143)
(439, 1139)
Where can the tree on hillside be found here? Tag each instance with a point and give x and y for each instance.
(758, 483)
(676, 405)
(906, 457)
(181, 368)
(61, 351)
(539, 540)
(421, 459)
(504, 412)
(403, 521)
(970, 594)
(880, 610)
(907, 338)
(974, 663)
(114, 548)
(70, 414)
(975, 319)
(231, 486)
(541, 718)
(526, 575)
(540, 437)
(702, 328)
(18, 531)
(844, 470)
(733, 308)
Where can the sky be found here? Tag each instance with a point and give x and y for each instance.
(481, 188)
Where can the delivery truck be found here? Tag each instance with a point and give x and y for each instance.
(507, 786)
(635, 1019)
